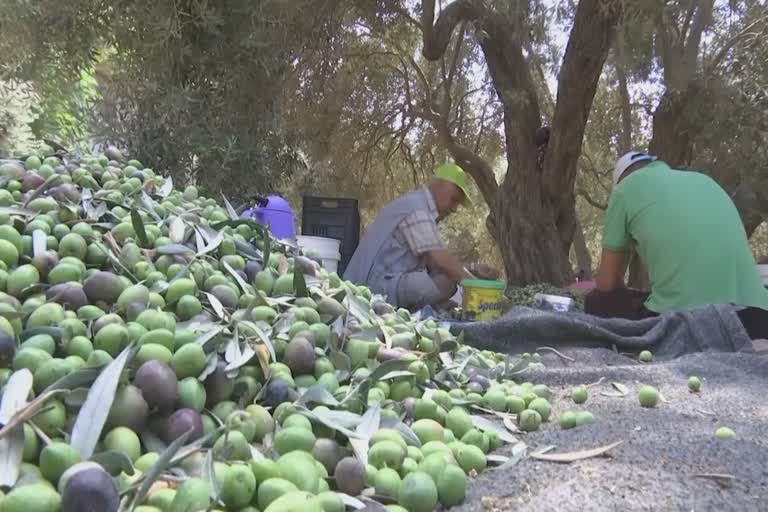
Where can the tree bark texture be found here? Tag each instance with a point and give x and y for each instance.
(532, 212)
(625, 137)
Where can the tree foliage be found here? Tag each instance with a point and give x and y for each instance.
(192, 87)
(364, 99)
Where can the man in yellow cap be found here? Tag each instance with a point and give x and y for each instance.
(401, 255)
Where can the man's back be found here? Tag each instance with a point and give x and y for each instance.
(690, 237)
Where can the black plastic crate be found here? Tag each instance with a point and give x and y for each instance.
(333, 217)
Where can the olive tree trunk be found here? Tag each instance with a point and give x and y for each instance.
(532, 211)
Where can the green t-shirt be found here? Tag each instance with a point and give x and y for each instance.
(689, 236)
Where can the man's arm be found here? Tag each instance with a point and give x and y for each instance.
(442, 261)
(419, 231)
(616, 240)
(610, 275)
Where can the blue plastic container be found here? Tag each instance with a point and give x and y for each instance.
(275, 212)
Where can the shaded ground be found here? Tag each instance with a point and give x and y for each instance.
(664, 448)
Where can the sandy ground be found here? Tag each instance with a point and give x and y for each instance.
(665, 450)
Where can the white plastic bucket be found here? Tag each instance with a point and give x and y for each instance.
(763, 273)
(326, 249)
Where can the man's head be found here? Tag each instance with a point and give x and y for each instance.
(629, 163)
(449, 189)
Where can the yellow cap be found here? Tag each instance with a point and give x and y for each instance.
(451, 172)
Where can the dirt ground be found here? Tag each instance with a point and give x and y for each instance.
(669, 454)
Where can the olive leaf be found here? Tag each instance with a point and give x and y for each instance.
(368, 426)
(405, 431)
(212, 245)
(263, 337)
(232, 350)
(342, 363)
(517, 368)
(39, 242)
(217, 306)
(148, 205)
(282, 267)
(243, 285)
(497, 459)
(247, 250)
(267, 251)
(15, 210)
(482, 423)
(93, 415)
(209, 334)
(235, 356)
(114, 462)
(76, 379)
(76, 398)
(397, 373)
(209, 475)
(351, 501)
(177, 230)
(341, 421)
(119, 264)
(210, 366)
(357, 308)
(161, 464)
(231, 211)
(577, 455)
(519, 451)
(393, 365)
(318, 394)
(173, 249)
(138, 227)
(167, 187)
(511, 425)
(299, 284)
(15, 395)
(195, 446)
(337, 327)
(199, 241)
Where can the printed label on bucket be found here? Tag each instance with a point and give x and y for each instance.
(481, 303)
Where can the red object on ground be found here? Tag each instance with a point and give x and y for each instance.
(583, 285)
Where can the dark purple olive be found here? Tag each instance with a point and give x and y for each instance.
(251, 269)
(218, 386)
(182, 421)
(7, 349)
(474, 387)
(482, 380)
(277, 392)
(158, 385)
(69, 295)
(90, 490)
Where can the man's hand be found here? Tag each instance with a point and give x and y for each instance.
(484, 271)
(441, 261)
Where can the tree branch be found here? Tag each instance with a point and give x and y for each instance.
(436, 39)
(588, 198)
(407, 16)
(590, 41)
(687, 23)
(625, 137)
(730, 44)
(437, 36)
(691, 50)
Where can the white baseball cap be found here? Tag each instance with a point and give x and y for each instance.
(631, 158)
